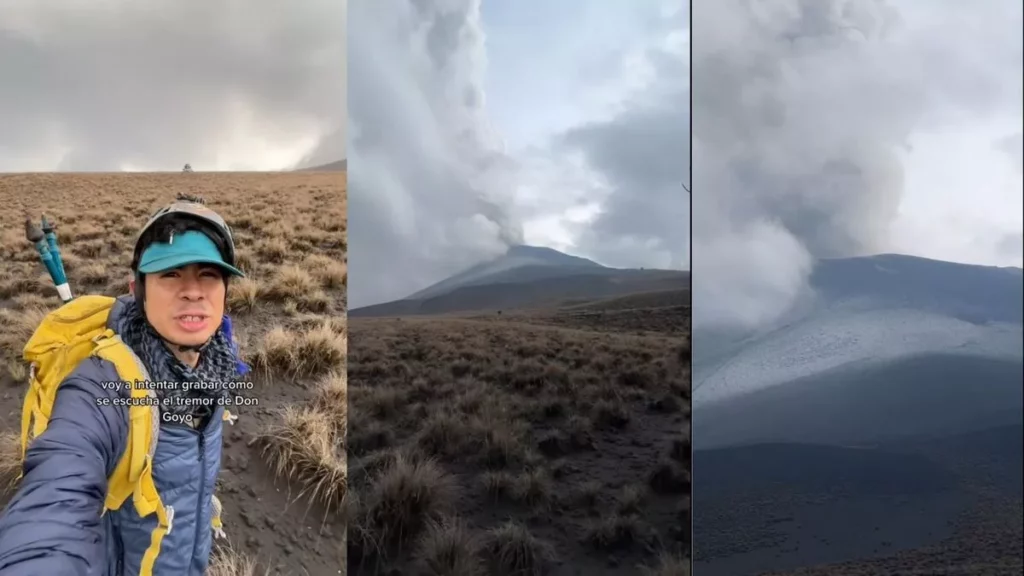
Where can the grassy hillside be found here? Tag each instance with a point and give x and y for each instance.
(519, 443)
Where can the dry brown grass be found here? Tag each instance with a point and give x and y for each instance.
(292, 282)
(228, 562)
(515, 550)
(10, 459)
(16, 327)
(331, 396)
(448, 547)
(304, 353)
(244, 295)
(407, 495)
(524, 421)
(330, 273)
(305, 446)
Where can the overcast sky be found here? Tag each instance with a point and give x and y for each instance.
(561, 124)
(849, 127)
(152, 84)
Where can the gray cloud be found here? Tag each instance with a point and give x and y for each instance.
(1012, 245)
(801, 109)
(1013, 146)
(644, 154)
(430, 190)
(162, 82)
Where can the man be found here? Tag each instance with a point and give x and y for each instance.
(172, 320)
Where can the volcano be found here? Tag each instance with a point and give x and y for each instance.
(528, 277)
(896, 378)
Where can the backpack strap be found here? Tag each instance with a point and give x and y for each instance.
(133, 475)
(143, 420)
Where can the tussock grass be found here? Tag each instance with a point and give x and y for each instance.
(617, 531)
(305, 447)
(92, 273)
(245, 260)
(228, 562)
(16, 327)
(277, 351)
(331, 396)
(321, 350)
(329, 272)
(316, 301)
(91, 249)
(274, 250)
(631, 499)
(533, 488)
(366, 436)
(406, 496)
(17, 369)
(609, 415)
(515, 551)
(311, 352)
(292, 281)
(523, 416)
(10, 460)
(449, 548)
(244, 294)
(29, 300)
(498, 484)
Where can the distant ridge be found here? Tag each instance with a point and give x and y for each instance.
(339, 166)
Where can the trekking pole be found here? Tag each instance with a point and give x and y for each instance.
(36, 236)
(51, 240)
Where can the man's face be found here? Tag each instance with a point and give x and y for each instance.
(186, 305)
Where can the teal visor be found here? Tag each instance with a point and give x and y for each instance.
(191, 247)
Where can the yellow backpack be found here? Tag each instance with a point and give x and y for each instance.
(66, 337)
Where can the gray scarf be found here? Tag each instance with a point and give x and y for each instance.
(217, 364)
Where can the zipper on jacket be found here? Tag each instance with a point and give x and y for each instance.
(202, 492)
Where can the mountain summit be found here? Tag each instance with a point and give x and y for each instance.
(549, 256)
(520, 263)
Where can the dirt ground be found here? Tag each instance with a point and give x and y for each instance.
(987, 537)
(520, 443)
(987, 542)
(284, 472)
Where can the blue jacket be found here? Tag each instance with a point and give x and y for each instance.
(53, 524)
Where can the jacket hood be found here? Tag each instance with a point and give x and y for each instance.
(119, 313)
